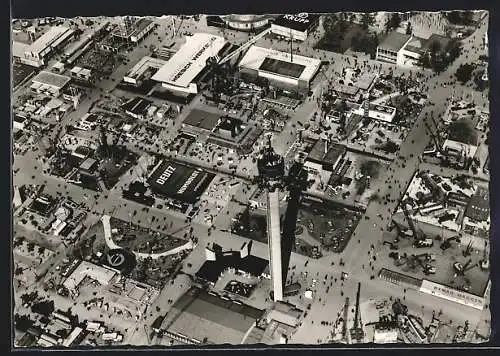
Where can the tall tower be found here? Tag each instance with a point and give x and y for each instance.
(366, 106)
(271, 168)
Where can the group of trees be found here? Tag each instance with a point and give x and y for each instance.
(462, 131)
(369, 168)
(393, 22)
(464, 18)
(389, 147)
(336, 27)
(409, 28)
(365, 42)
(438, 58)
(335, 30)
(464, 72)
(367, 20)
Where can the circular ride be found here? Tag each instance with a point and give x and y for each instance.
(121, 260)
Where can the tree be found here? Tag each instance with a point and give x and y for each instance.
(365, 42)
(453, 50)
(369, 168)
(367, 20)
(31, 246)
(390, 147)
(409, 30)
(45, 307)
(464, 72)
(393, 22)
(462, 131)
(329, 22)
(460, 17)
(434, 47)
(23, 322)
(341, 106)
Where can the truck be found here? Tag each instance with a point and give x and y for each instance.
(423, 243)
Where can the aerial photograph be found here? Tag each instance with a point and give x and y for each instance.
(238, 179)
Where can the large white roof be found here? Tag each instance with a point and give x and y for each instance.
(143, 64)
(53, 37)
(101, 274)
(190, 59)
(256, 55)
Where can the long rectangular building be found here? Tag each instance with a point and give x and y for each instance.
(36, 54)
(180, 72)
(198, 317)
(178, 181)
(283, 70)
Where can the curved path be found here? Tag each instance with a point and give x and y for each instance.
(108, 237)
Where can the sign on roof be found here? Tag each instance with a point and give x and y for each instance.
(302, 17)
(300, 22)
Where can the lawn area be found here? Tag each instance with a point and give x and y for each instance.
(331, 226)
(20, 72)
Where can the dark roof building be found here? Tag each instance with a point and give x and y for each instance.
(325, 154)
(43, 205)
(297, 26)
(136, 107)
(458, 198)
(406, 50)
(211, 270)
(201, 119)
(133, 29)
(178, 181)
(242, 261)
(347, 90)
(391, 48)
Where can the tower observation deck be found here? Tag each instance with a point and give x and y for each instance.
(271, 167)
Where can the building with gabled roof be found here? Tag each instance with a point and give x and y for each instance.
(181, 71)
(406, 50)
(199, 317)
(37, 53)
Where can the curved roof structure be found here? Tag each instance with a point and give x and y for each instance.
(245, 18)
